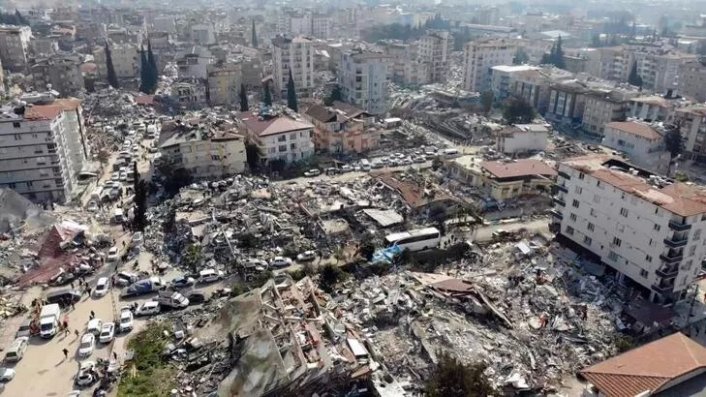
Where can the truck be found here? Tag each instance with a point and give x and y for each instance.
(49, 319)
(142, 287)
(172, 299)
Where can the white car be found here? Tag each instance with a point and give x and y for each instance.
(125, 320)
(113, 254)
(281, 261)
(210, 275)
(148, 308)
(85, 348)
(94, 326)
(6, 374)
(102, 286)
(107, 333)
(306, 256)
(86, 373)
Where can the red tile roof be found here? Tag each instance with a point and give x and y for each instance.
(272, 126)
(635, 128)
(43, 112)
(649, 367)
(146, 100)
(518, 168)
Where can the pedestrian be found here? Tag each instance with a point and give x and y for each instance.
(76, 333)
(115, 355)
(66, 353)
(66, 330)
(73, 306)
(72, 285)
(89, 291)
(93, 315)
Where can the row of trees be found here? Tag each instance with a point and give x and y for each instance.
(149, 71)
(555, 56)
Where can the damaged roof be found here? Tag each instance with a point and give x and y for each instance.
(265, 126)
(517, 168)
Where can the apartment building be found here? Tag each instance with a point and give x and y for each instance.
(14, 47)
(603, 106)
(567, 100)
(42, 150)
(279, 136)
(194, 63)
(363, 78)
(641, 142)
(692, 80)
(203, 34)
(126, 61)
(203, 152)
(295, 54)
(190, 93)
(223, 82)
(692, 121)
(480, 56)
(435, 48)
(342, 128)
(653, 107)
(501, 79)
(648, 230)
(321, 25)
(62, 72)
(535, 85)
(522, 138)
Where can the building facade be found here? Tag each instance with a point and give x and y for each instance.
(224, 83)
(435, 49)
(692, 121)
(522, 138)
(126, 61)
(363, 78)
(642, 143)
(692, 80)
(279, 136)
(205, 154)
(604, 106)
(479, 57)
(646, 229)
(339, 131)
(62, 72)
(14, 47)
(295, 54)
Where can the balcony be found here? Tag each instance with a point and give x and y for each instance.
(562, 188)
(679, 226)
(668, 271)
(559, 200)
(672, 257)
(675, 242)
(556, 214)
(663, 288)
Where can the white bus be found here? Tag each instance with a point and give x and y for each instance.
(415, 240)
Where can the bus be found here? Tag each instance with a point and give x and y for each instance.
(415, 240)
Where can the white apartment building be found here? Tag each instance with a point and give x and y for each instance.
(479, 57)
(14, 47)
(363, 78)
(643, 144)
(203, 34)
(126, 61)
(224, 83)
(296, 54)
(194, 63)
(205, 154)
(692, 80)
(647, 229)
(284, 136)
(522, 138)
(321, 26)
(603, 106)
(43, 150)
(502, 79)
(435, 48)
(693, 127)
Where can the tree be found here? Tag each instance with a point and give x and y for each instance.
(140, 219)
(335, 95)
(193, 257)
(292, 94)
(452, 378)
(253, 41)
(520, 57)
(21, 20)
(268, 95)
(367, 250)
(152, 69)
(436, 163)
(517, 110)
(244, 107)
(112, 77)
(103, 156)
(486, 101)
(674, 143)
(144, 72)
(596, 41)
(558, 55)
(252, 154)
(330, 276)
(634, 78)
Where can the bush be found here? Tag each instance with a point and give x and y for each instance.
(149, 375)
(330, 276)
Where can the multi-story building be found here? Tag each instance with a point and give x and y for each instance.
(692, 122)
(251, 71)
(164, 23)
(203, 34)
(692, 80)
(279, 136)
(479, 57)
(190, 93)
(42, 150)
(194, 62)
(522, 138)
(203, 152)
(364, 80)
(295, 54)
(653, 107)
(645, 228)
(126, 61)
(603, 106)
(502, 79)
(643, 144)
(224, 81)
(14, 47)
(321, 26)
(342, 129)
(435, 48)
(566, 102)
(62, 72)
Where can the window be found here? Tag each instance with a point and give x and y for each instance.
(596, 198)
(617, 241)
(281, 138)
(587, 240)
(578, 190)
(624, 212)
(570, 230)
(598, 183)
(593, 212)
(590, 226)
(656, 227)
(581, 175)
(692, 250)
(612, 256)
(697, 234)
(572, 217)
(648, 258)
(643, 273)
(687, 265)
(575, 203)
(282, 148)
(18, 137)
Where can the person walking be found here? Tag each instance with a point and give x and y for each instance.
(76, 333)
(93, 315)
(66, 353)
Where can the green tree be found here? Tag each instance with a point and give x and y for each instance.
(21, 20)
(596, 41)
(153, 69)
(436, 163)
(518, 111)
(253, 155)
(268, 95)
(244, 107)
(674, 143)
(112, 77)
(144, 72)
(292, 94)
(520, 57)
(558, 55)
(253, 41)
(139, 221)
(451, 378)
(335, 95)
(193, 257)
(330, 276)
(634, 77)
(486, 101)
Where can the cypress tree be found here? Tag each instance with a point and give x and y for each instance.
(634, 78)
(268, 95)
(112, 77)
(558, 55)
(254, 35)
(144, 72)
(152, 68)
(292, 94)
(244, 107)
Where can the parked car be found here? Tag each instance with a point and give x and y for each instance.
(25, 329)
(87, 374)
(306, 256)
(313, 172)
(94, 326)
(281, 261)
(346, 168)
(148, 308)
(113, 255)
(63, 297)
(6, 374)
(181, 282)
(17, 349)
(102, 286)
(124, 278)
(85, 347)
(125, 320)
(107, 333)
(210, 275)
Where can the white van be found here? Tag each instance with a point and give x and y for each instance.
(450, 153)
(365, 165)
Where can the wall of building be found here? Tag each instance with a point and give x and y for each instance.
(522, 142)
